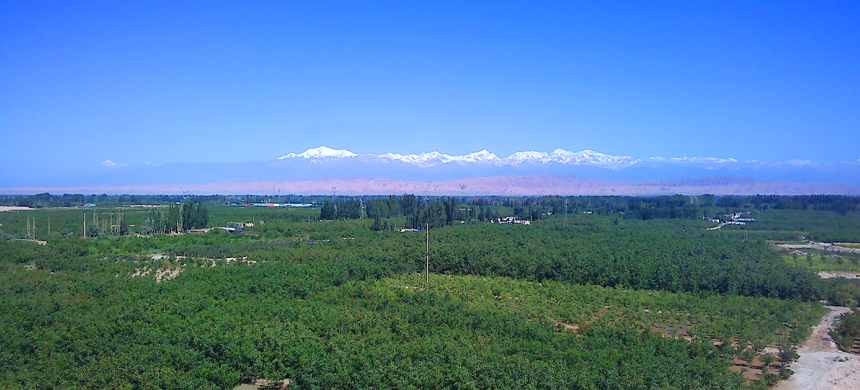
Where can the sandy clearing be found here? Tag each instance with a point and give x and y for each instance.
(839, 274)
(825, 246)
(40, 242)
(14, 208)
(821, 364)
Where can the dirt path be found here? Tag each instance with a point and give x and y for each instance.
(14, 208)
(821, 364)
(821, 246)
(839, 274)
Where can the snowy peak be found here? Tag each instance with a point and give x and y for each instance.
(590, 157)
(426, 160)
(520, 158)
(321, 154)
(559, 156)
(111, 164)
(423, 160)
(479, 157)
(694, 160)
(324, 154)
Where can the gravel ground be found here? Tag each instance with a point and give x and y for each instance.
(821, 364)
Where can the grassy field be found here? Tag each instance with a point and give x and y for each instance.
(822, 262)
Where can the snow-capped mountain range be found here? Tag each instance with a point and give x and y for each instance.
(323, 163)
(324, 154)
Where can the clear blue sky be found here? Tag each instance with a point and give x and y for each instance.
(147, 81)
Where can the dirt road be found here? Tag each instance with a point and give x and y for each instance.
(14, 208)
(824, 246)
(821, 364)
(839, 274)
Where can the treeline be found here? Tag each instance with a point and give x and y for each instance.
(103, 224)
(419, 212)
(181, 217)
(835, 235)
(837, 203)
(656, 254)
(442, 211)
(71, 200)
(593, 254)
(632, 207)
(674, 206)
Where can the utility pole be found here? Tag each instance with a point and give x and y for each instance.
(334, 197)
(85, 225)
(427, 256)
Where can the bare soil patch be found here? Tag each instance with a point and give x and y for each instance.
(40, 242)
(824, 246)
(14, 208)
(839, 274)
(822, 365)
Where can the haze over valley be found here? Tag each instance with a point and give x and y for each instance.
(585, 172)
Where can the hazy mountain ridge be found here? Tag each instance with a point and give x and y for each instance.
(324, 154)
(325, 164)
(587, 157)
(493, 185)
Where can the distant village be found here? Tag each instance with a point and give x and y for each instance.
(738, 218)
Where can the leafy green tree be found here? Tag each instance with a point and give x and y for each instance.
(328, 211)
(123, 225)
(377, 225)
(173, 218)
(201, 217)
(189, 219)
(847, 331)
(787, 354)
(748, 355)
(767, 359)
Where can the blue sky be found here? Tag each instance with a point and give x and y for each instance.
(137, 82)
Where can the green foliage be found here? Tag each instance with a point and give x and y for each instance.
(842, 292)
(825, 261)
(603, 300)
(328, 211)
(820, 225)
(835, 235)
(787, 354)
(847, 331)
(210, 327)
(592, 251)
